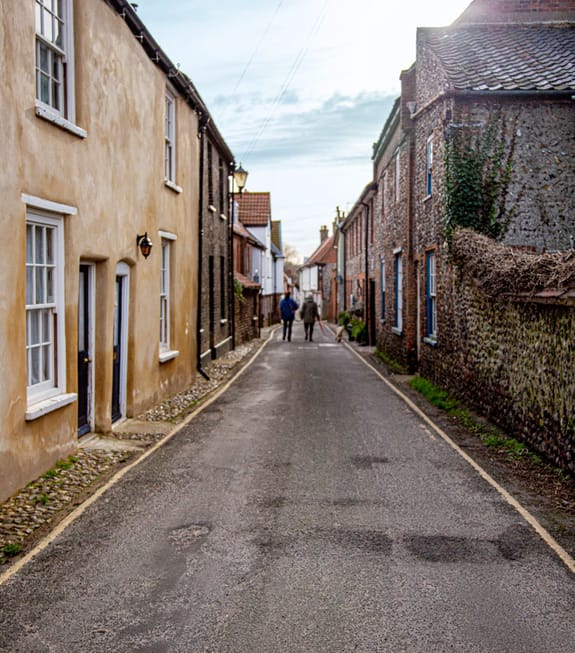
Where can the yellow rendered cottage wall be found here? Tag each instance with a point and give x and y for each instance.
(115, 179)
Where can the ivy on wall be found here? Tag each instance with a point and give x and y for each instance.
(239, 291)
(478, 169)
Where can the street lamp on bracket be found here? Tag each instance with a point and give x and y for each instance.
(240, 178)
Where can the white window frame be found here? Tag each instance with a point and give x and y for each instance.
(429, 167)
(55, 100)
(170, 142)
(383, 289)
(431, 297)
(398, 298)
(166, 352)
(49, 392)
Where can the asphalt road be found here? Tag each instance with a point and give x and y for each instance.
(308, 510)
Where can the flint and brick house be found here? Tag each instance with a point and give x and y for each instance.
(511, 62)
(216, 300)
(101, 134)
(358, 229)
(247, 251)
(522, 74)
(318, 274)
(503, 75)
(514, 63)
(393, 293)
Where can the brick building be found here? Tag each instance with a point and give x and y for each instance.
(255, 213)
(216, 297)
(317, 276)
(499, 84)
(247, 250)
(393, 260)
(523, 74)
(358, 279)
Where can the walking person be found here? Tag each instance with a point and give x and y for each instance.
(288, 307)
(309, 314)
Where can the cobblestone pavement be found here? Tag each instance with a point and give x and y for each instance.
(38, 507)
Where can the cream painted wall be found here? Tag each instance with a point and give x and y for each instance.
(115, 179)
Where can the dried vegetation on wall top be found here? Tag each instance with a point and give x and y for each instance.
(501, 270)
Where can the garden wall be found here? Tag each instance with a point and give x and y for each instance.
(247, 315)
(514, 362)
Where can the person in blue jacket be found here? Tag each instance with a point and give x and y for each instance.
(288, 307)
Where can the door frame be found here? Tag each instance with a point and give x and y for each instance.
(90, 313)
(123, 270)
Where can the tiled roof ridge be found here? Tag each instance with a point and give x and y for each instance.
(254, 208)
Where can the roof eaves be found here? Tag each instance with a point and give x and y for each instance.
(387, 132)
(320, 252)
(177, 78)
(366, 194)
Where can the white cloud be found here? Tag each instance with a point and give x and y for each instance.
(300, 89)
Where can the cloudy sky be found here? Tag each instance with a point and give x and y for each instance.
(299, 89)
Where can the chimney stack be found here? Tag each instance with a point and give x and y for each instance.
(323, 232)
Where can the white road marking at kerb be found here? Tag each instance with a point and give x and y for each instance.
(511, 500)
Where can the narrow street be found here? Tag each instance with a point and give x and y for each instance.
(308, 510)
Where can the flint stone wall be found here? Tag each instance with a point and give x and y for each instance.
(515, 363)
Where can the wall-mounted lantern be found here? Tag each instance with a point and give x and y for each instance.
(145, 244)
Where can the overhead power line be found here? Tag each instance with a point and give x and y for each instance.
(258, 44)
(289, 78)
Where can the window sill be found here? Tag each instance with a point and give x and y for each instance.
(398, 332)
(168, 355)
(46, 113)
(432, 342)
(223, 216)
(222, 322)
(173, 186)
(46, 406)
(427, 198)
(212, 209)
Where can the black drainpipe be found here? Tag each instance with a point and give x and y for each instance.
(202, 135)
(366, 306)
(366, 297)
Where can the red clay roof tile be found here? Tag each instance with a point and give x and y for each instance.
(254, 209)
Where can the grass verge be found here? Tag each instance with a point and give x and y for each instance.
(489, 434)
(393, 365)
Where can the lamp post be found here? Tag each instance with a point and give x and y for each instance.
(239, 178)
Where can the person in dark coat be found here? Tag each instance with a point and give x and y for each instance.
(309, 315)
(288, 307)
